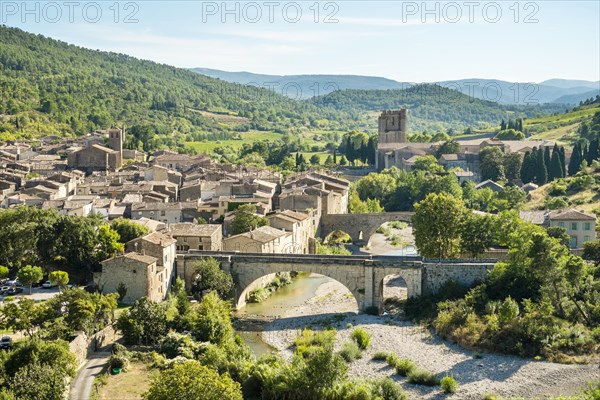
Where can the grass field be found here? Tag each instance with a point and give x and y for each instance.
(128, 385)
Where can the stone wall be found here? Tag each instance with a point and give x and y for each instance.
(83, 345)
(465, 272)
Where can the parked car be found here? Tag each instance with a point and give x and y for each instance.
(5, 343)
(4, 289)
(47, 285)
(14, 290)
(14, 282)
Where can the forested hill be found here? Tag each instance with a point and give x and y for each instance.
(430, 103)
(51, 87)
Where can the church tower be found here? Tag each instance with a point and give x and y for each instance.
(116, 137)
(392, 126)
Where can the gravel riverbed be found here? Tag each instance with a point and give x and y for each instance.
(506, 376)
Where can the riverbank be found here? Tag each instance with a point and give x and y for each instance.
(492, 373)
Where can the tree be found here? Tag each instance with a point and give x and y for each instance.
(576, 159)
(4, 271)
(510, 134)
(427, 164)
(144, 323)
(212, 323)
(22, 315)
(591, 252)
(28, 275)
(108, 242)
(38, 382)
(477, 234)
(563, 163)
(555, 170)
(59, 278)
(189, 380)
(541, 172)
(437, 225)
(128, 229)
(512, 165)
(315, 160)
(372, 149)
(343, 161)
(528, 168)
(245, 219)
(209, 276)
(491, 164)
(448, 147)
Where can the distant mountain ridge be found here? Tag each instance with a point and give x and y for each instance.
(565, 91)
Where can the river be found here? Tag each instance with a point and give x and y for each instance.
(252, 318)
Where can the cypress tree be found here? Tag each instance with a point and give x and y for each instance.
(563, 163)
(503, 125)
(334, 156)
(555, 169)
(584, 152)
(350, 153)
(575, 161)
(527, 168)
(594, 151)
(372, 149)
(541, 172)
(547, 158)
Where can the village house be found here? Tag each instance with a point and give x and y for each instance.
(191, 236)
(163, 248)
(299, 224)
(580, 226)
(266, 240)
(138, 274)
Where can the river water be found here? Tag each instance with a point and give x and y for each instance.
(252, 318)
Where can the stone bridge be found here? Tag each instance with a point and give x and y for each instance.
(362, 275)
(360, 227)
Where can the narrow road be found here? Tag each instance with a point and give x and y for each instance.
(81, 388)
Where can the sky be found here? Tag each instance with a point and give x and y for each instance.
(527, 41)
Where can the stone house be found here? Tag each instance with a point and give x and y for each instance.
(163, 212)
(160, 246)
(192, 236)
(490, 184)
(139, 273)
(266, 239)
(580, 226)
(299, 224)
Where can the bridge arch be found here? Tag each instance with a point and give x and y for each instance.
(360, 227)
(247, 278)
(241, 295)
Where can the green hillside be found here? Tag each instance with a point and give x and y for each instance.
(50, 87)
(433, 107)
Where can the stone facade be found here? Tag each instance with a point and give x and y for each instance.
(191, 236)
(95, 158)
(163, 248)
(139, 273)
(265, 240)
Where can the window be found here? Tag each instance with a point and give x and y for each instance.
(573, 226)
(586, 238)
(587, 226)
(561, 224)
(163, 213)
(185, 238)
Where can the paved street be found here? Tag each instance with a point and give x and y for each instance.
(81, 387)
(37, 294)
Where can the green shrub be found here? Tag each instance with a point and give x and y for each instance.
(118, 361)
(350, 351)
(449, 384)
(258, 295)
(405, 366)
(489, 396)
(361, 337)
(422, 377)
(380, 356)
(390, 390)
(393, 360)
(310, 340)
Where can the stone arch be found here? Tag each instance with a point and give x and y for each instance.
(372, 230)
(412, 277)
(355, 223)
(241, 295)
(247, 277)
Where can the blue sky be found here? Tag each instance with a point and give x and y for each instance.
(524, 41)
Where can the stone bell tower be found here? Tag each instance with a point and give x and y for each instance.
(392, 126)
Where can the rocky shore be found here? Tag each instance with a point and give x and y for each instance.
(477, 374)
